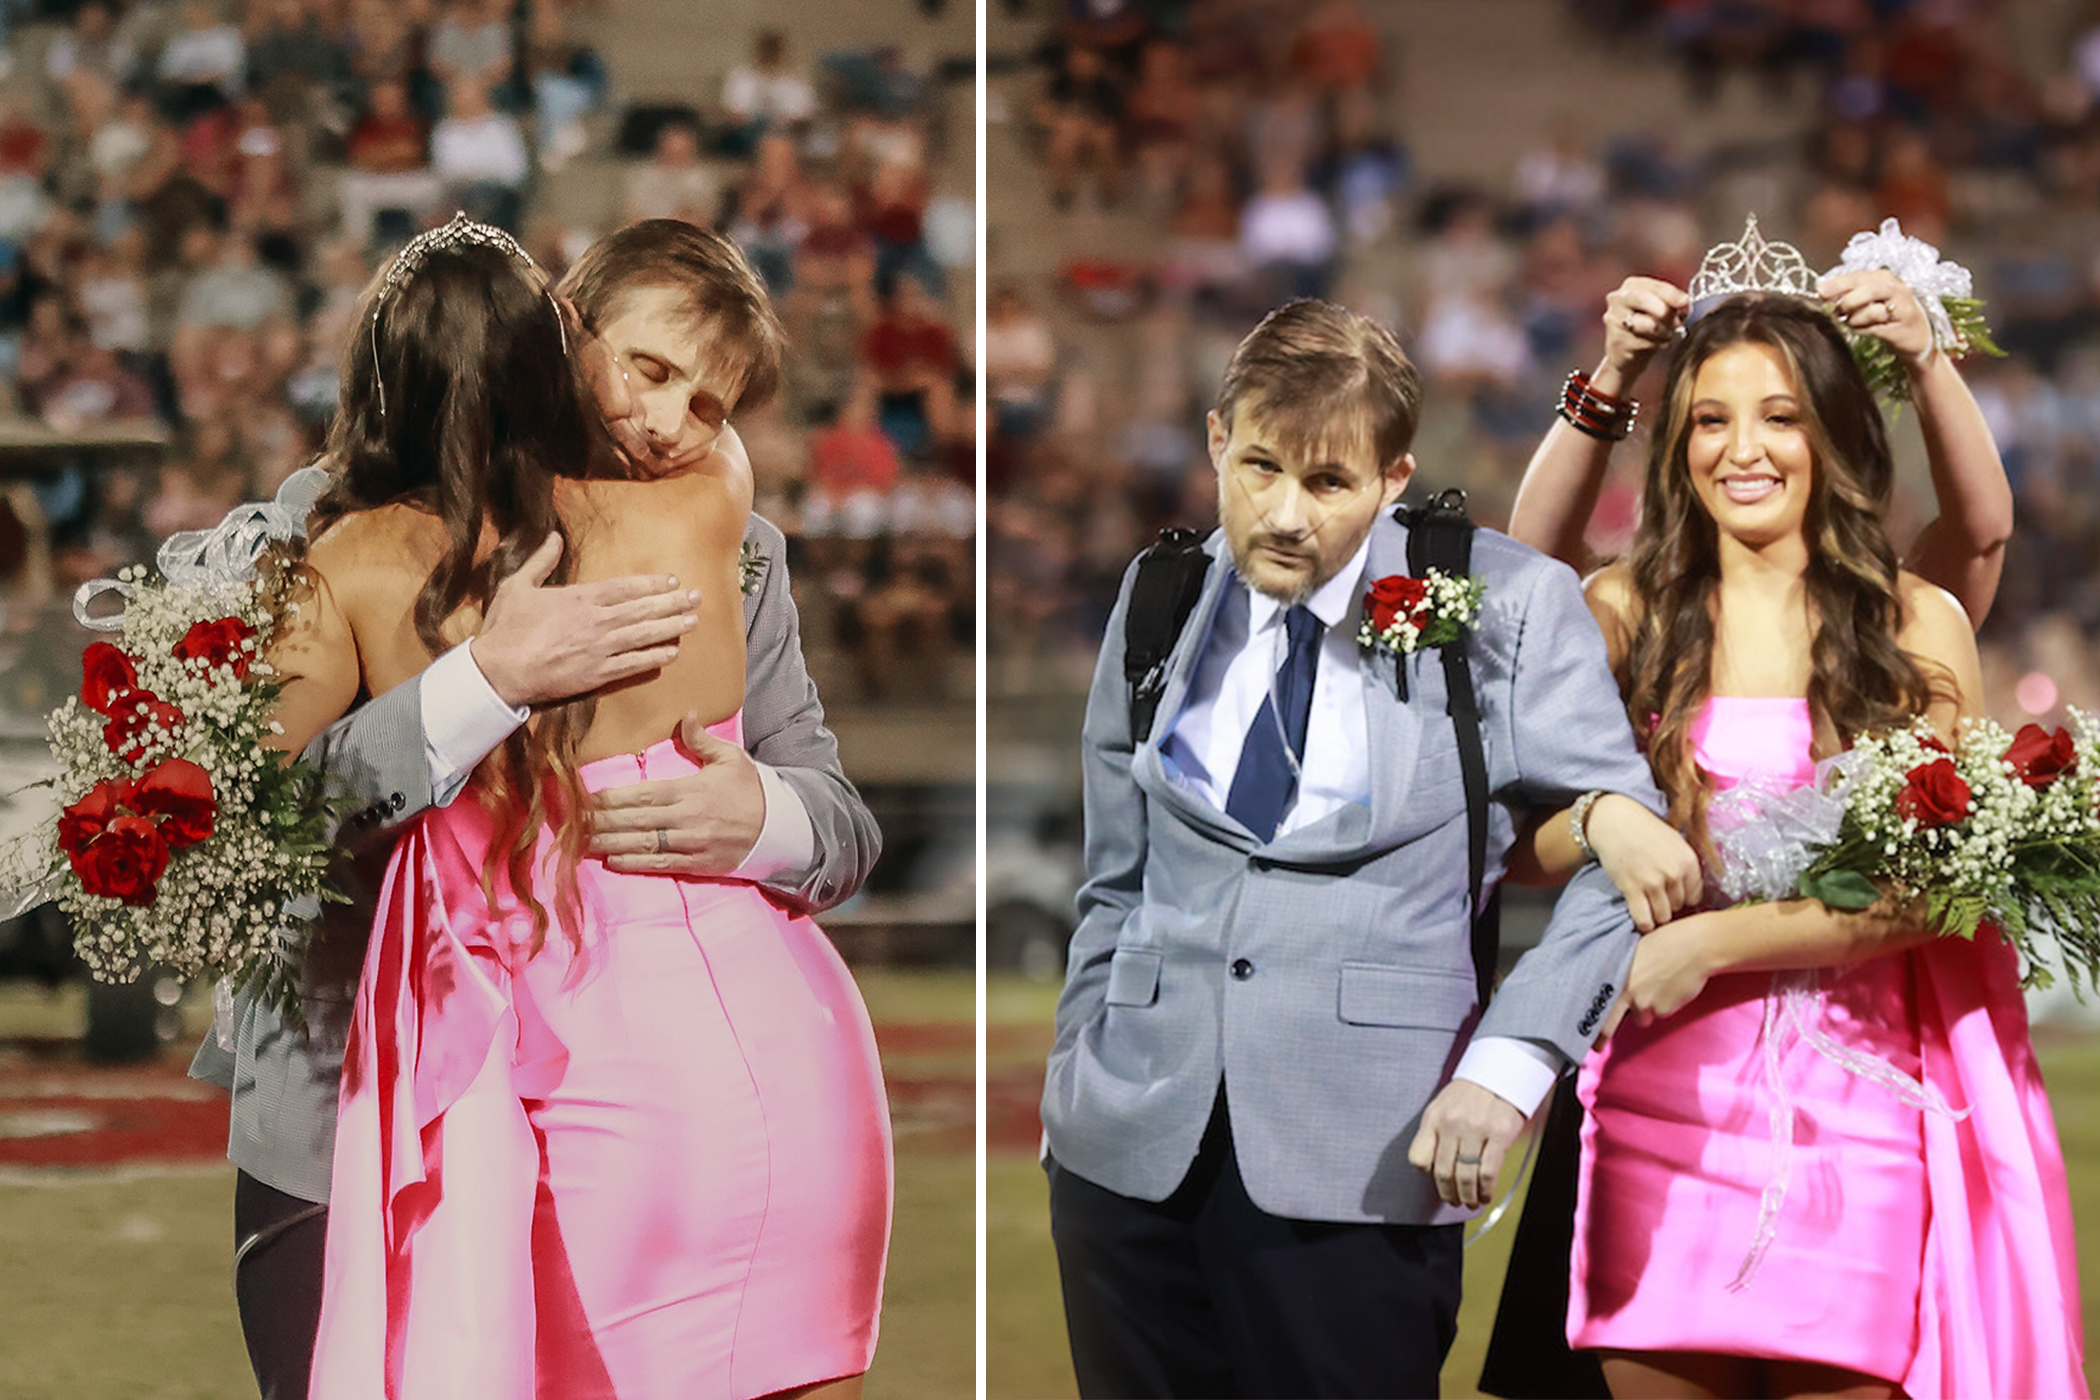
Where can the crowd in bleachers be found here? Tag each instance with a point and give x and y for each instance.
(1256, 141)
(193, 193)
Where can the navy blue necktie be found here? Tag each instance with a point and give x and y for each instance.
(1266, 778)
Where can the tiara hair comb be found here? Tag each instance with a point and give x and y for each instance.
(460, 231)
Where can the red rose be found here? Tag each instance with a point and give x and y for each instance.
(125, 863)
(136, 713)
(1934, 795)
(85, 820)
(1393, 598)
(106, 674)
(179, 793)
(218, 643)
(2039, 757)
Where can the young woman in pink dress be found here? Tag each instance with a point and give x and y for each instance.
(601, 1135)
(1908, 1231)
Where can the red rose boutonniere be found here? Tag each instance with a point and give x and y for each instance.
(1402, 615)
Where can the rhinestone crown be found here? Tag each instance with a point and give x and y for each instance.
(1752, 264)
(461, 230)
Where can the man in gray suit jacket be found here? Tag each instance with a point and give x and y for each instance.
(672, 308)
(1273, 1095)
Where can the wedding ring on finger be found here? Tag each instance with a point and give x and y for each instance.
(663, 841)
(1472, 1161)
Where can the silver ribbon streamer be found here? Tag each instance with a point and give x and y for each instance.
(1794, 1014)
(224, 554)
(1765, 836)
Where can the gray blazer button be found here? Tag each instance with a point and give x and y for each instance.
(1241, 969)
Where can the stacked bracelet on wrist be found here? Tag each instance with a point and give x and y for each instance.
(1589, 409)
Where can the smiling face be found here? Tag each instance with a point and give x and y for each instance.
(1747, 444)
(1295, 513)
(682, 389)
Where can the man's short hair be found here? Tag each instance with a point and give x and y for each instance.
(1322, 375)
(725, 295)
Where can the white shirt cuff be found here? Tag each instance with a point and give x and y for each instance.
(786, 841)
(463, 719)
(1519, 1071)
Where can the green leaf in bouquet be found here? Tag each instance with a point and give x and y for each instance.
(1954, 913)
(1839, 889)
(1884, 373)
(2059, 918)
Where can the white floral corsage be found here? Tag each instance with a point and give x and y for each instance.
(1945, 292)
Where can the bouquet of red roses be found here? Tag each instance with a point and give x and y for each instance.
(2000, 828)
(183, 842)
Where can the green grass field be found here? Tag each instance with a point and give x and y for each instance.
(1024, 1328)
(116, 1284)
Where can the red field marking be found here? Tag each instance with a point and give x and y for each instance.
(914, 1037)
(1035, 1036)
(921, 1037)
(58, 1111)
(110, 1131)
(1012, 1122)
(933, 1111)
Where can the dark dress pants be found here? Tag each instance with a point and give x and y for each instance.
(278, 1242)
(1206, 1294)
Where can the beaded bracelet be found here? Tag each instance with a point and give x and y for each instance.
(1590, 410)
(1579, 823)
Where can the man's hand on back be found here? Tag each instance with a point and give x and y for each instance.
(539, 644)
(704, 823)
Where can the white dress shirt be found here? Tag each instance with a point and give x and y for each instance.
(464, 720)
(1246, 648)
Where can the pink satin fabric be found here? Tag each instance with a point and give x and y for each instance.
(657, 1170)
(1927, 1251)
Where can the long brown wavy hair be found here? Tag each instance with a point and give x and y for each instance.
(1861, 680)
(460, 401)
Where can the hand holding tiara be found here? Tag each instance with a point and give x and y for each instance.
(1936, 290)
(1642, 316)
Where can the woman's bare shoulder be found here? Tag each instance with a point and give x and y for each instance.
(1932, 617)
(693, 505)
(376, 547)
(1610, 593)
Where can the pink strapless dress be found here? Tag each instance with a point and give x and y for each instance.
(1927, 1249)
(659, 1170)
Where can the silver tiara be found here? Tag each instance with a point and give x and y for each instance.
(458, 232)
(1752, 264)
(461, 230)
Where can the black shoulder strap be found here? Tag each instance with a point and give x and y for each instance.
(1169, 581)
(1440, 536)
